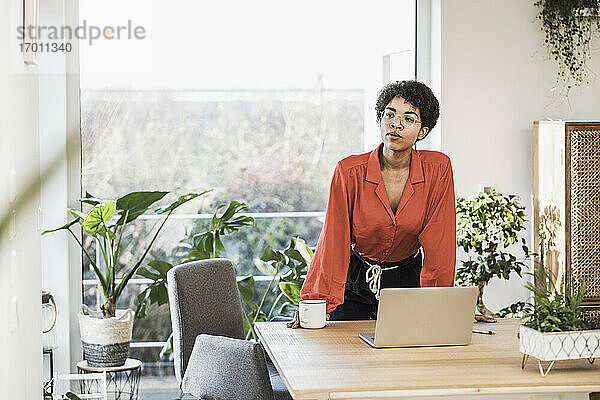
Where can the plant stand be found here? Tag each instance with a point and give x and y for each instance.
(121, 382)
(556, 346)
(542, 372)
(90, 386)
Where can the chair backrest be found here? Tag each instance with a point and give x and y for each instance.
(204, 298)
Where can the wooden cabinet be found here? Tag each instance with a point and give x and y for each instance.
(566, 204)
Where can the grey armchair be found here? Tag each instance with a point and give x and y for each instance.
(212, 359)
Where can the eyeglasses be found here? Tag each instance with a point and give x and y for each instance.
(407, 120)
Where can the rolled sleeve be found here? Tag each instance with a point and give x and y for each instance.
(326, 276)
(438, 237)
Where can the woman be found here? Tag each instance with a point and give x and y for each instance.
(384, 206)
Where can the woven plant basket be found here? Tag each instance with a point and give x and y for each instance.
(105, 341)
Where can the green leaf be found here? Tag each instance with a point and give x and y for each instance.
(270, 255)
(294, 255)
(89, 199)
(161, 266)
(180, 201)
(161, 294)
(233, 208)
(234, 224)
(305, 251)
(291, 291)
(65, 226)
(72, 396)
(218, 243)
(77, 214)
(96, 219)
(209, 244)
(156, 292)
(143, 299)
(198, 255)
(142, 271)
(137, 203)
(246, 288)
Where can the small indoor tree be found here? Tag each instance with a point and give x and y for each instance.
(486, 227)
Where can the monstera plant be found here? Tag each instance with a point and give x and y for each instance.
(288, 268)
(227, 219)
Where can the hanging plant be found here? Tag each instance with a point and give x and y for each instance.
(568, 27)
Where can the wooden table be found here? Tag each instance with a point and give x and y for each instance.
(334, 363)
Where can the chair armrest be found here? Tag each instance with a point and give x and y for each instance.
(224, 368)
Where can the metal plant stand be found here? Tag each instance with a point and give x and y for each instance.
(121, 382)
(542, 372)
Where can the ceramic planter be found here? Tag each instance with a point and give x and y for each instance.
(555, 346)
(105, 341)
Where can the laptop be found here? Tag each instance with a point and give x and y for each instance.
(432, 316)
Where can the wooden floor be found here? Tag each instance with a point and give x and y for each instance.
(159, 388)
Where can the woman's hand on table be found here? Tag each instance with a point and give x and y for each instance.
(484, 318)
(296, 322)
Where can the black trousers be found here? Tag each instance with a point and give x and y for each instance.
(359, 300)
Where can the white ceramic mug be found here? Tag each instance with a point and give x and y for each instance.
(312, 313)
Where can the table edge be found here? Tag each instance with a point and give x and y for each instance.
(460, 391)
(268, 350)
(82, 365)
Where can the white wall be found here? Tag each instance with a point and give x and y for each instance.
(495, 81)
(20, 272)
(61, 266)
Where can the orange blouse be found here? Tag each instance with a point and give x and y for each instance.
(359, 216)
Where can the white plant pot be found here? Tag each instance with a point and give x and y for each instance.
(105, 341)
(555, 346)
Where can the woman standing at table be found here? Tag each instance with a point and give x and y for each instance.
(384, 206)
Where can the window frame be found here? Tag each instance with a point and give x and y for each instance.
(423, 69)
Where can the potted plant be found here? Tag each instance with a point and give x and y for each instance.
(106, 335)
(555, 328)
(486, 226)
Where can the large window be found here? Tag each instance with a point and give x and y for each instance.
(256, 100)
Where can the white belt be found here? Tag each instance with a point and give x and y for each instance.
(373, 276)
